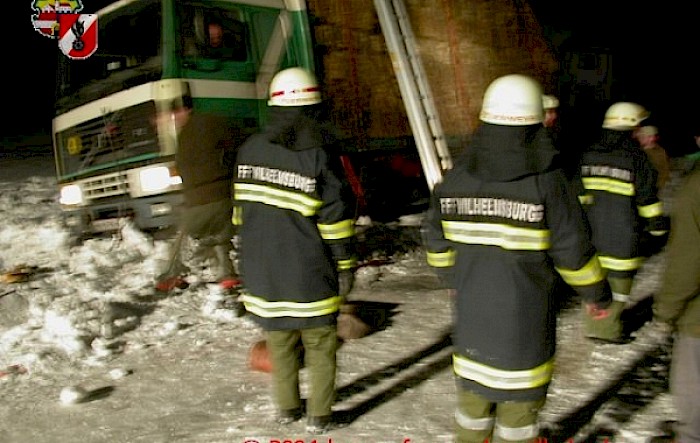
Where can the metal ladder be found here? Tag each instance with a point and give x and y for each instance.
(415, 90)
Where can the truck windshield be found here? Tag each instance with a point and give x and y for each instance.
(128, 54)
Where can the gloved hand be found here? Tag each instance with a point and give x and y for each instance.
(595, 312)
(233, 288)
(652, 243)
(346, 280)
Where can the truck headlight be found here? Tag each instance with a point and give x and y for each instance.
(71, 195)
(155, 179)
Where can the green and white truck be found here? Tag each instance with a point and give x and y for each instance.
(114, 130)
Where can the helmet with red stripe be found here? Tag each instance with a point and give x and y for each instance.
(294, 87)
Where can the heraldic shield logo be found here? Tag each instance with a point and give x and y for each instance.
(59, 19)
(45, 20)
(77, 35)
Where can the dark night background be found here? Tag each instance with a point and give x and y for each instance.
(655, 46)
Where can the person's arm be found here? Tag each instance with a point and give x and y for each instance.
(571, 249)
(336, 221)
(649, 206)
(439, 251)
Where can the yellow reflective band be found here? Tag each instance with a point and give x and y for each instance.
(591, 272)
(237, 216)
(501, 378)
(585, 199)
(608, 185)
(621, 264)
(344, 265)
(274, 309)
(652, 210)
(491, 234)
(337, 231)
(295, 201)
(442, 259)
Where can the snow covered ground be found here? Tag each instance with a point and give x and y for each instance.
(175, 369)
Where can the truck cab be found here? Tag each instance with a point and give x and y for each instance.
(115, 131)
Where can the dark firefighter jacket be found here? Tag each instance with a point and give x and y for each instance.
(295, 221)
(505, 222)
(620, 198)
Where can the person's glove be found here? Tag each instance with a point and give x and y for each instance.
(232, 288)
(346, 280)
(595, 312)
(653, 242)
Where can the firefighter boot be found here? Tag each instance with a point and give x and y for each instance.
(231, 288)
(169, 284)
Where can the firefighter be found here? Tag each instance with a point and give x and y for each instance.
(503, 224)
(620, 198)
(295, 222)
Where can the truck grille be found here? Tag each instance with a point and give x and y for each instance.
(108, 141)
(108, 185)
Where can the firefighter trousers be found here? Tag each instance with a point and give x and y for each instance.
(479, 420)
(319, 348)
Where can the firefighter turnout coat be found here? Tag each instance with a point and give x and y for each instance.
(295, 222)
(620, 198)
(502, 224)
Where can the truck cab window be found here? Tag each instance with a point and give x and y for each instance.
(221, 36)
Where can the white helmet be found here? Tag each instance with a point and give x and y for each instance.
(294, 87)
(550, 102)
(648, 131)
(623, 116)
(513, 100)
